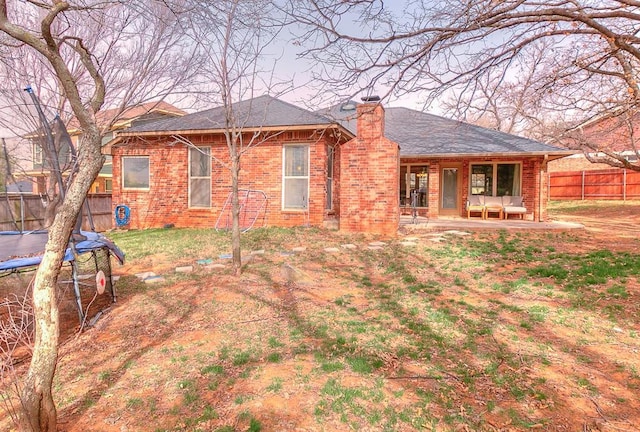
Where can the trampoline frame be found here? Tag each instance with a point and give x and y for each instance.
(89, 243)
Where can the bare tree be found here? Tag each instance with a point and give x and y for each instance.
(591, 61)
(510, 103)
(235, 39)
(611, 140)
(142, 55)
(79, 46)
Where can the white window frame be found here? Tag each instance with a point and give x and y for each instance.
(38, 156)
(331, 157)
(285, 177)
(494, 180)
(148, 172)
(192, 177)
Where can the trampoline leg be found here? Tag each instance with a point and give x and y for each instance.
(111, 284)
(76, 290)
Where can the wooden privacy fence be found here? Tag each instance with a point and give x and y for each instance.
(608, 184)
(26, 212)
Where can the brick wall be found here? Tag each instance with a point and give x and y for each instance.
(576, 162)
(166, 201)
(369, 180)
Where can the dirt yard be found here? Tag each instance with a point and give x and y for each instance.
(453, 333)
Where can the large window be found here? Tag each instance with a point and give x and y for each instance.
(135, 172)
(295, 177)
(414, 181)
(200, 177)
(330, 158)
(496, 179)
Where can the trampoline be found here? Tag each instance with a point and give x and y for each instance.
(89, 255)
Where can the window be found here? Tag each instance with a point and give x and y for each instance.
(481, 179)
(135, 172)
(37, 153)
(495, 179)
(108, 185)
(295, 177)
(414, 179)
(330, 158)
(200, 177)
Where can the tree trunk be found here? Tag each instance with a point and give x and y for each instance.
(235, 214)
(39, 411)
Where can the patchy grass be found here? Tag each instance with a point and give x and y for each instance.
(494, 330)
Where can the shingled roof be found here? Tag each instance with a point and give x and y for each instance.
(265, 112)
(422, 134)
(418, 133)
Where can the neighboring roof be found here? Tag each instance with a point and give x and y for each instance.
(265, 112)
(422, 134)
(130, 114)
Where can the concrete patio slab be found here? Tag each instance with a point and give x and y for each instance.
(461, 224)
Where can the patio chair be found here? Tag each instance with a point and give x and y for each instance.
(493, 204)
(475, 205)
(513, 205)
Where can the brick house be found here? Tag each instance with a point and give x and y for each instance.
(354, 166)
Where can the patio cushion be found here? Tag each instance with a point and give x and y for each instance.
(475, 204)
(493, 202)
(514, 205)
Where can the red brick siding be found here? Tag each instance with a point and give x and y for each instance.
(575, 163)
(370, 174)
(166, 202)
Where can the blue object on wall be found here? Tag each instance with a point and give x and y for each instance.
(122, 214)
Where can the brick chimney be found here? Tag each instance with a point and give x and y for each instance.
(370, 175)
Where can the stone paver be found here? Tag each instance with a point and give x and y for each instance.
(184, 269)
(331, 250)
(153, 279)
(349, 246)
(408, 243)
(145, 275)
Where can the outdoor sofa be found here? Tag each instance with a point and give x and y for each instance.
(503, 206)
